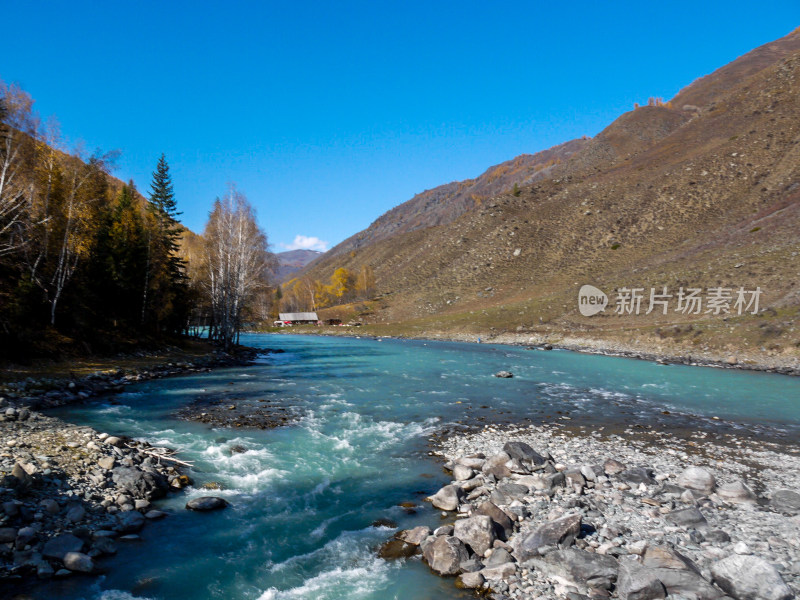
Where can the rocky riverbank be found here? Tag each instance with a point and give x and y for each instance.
(539, 512)
(69, 495)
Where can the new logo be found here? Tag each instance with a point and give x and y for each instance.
(591, 300)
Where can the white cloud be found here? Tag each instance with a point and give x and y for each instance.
(306, 242)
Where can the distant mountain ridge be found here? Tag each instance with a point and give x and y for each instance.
(292, 261)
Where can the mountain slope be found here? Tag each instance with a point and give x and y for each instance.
(698, 195)
(292, 261)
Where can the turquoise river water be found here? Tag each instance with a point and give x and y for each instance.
(304, 496)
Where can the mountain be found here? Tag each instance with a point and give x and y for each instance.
(702, 191)
(293, 261)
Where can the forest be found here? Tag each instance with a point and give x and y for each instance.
(89, 264)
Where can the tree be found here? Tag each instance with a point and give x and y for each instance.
(237, 261)
(365, 283)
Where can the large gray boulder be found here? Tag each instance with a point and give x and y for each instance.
(139, 483)
(130, 521)
(477, 532)
(748, 577)
(523, 453)
(786, 501)
(667, 558)
(580, 568)
(504, 526)
(687, 583)
(415, 536)
(637, 475)
(635, 582)
(552, 533)
(496, 465)
(60, 545)
(697, 479)
(736, 492)
(445, 554)
(687, 517)
(447, 498)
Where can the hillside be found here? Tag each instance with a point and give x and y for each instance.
(702, 191)
(292, 261)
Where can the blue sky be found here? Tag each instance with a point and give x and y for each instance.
(327, 114)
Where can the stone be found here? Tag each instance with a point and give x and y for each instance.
(503, 524)
(75, 513)
(206, 503)
(637, 475)
(717, 536)
(473, 462)
(462, 473)
(786, 501)
(551, 533)
(638, 583)
(107, 463)
(685, 583)
(58, 546)
(114, 441)
(130, 521)
(496, 465)
(470, 581)
(50, 506)
(502, 571)
(499, 556)
(523, 453)
(22, 478)
(396, 549)
(44, 570)
(446, 554)
(513, 491)
(580, 568)
(78, 561)
(687, 518)
(139, 483)
(104, 545)
(155, 514)
(25, 536)
(750, 578)
(697, 479)
(415, 536)
(447, 498)
(504, 374)
(476, 532)
(7, 535)
(667, 558)
(736, 492)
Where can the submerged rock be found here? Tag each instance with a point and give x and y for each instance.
(206, 503)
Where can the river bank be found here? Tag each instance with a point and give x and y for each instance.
(746, 360)
(543, 511)
(70, 494)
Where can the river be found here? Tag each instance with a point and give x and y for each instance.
(304, 496)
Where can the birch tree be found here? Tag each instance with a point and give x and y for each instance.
(237, 262)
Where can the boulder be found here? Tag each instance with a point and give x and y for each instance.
(476, 532)
(58, 546)
(747, 577)
(503, 525)
(107, 463)
(139, 483)
(499, 572)
(8, 535)
(473, 462)
(130, 521)
(786, 501)
(504, 374)
(635, 582)
(447, 498)
(462, 472)
(580, 568)
(50, 506)
(414, 536)
(206, 503)
(155, 514)
(637, 475)
(613, 467)
(513, 491)
(104, 545)
(75, 513)
(470, 581)
(496, 465)
(396, 549)
(553, 533)
(523, 453)
(500, 556)
(667, 558)
(446, 554)
(78, 561)
(687, 517)
(697, 479)
(736, 492)
(687, 584)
